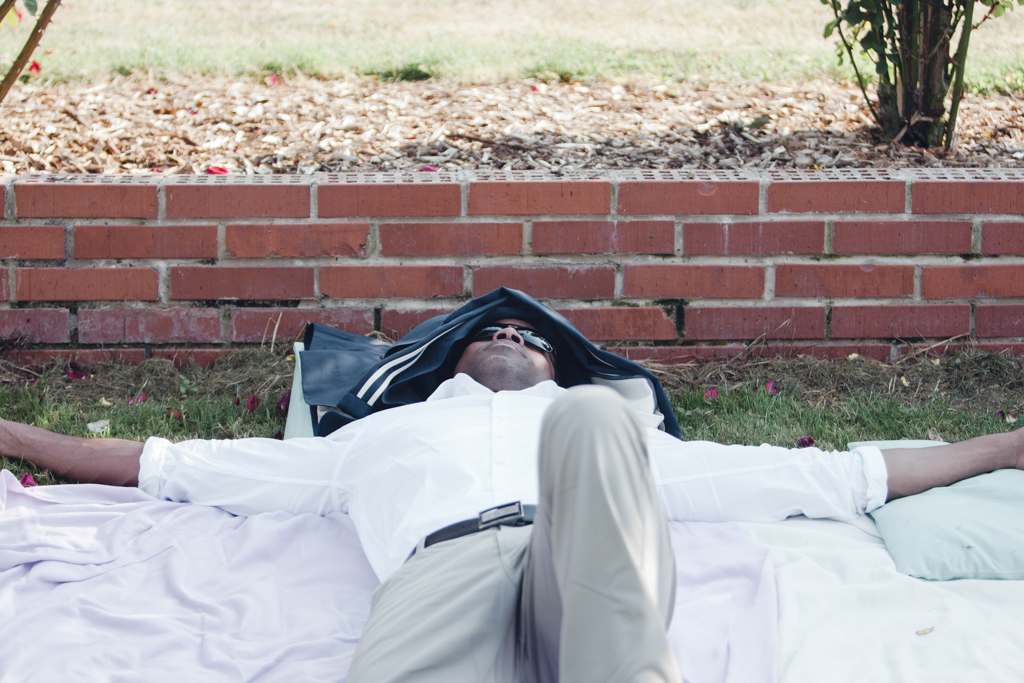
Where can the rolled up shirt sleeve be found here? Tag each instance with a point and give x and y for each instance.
(709, 482)
(248, 476)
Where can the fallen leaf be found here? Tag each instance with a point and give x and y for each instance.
(904, 382)
(99, 427)
(925, 631)
(105, 403)
(933, 435)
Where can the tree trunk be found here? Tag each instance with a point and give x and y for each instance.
(913, 109)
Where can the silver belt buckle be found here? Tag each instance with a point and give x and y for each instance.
(509, 512)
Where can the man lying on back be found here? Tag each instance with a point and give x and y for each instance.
(582, 590)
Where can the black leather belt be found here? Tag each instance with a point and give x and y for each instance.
(510, 514)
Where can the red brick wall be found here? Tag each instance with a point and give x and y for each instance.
(666, 265)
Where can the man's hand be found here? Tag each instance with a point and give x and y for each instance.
(914, 470)
(96, 461)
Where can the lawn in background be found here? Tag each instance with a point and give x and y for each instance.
(473, 40)
(741, 400)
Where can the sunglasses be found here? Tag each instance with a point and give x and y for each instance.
(530, 336)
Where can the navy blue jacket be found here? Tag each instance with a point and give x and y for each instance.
(411, 369)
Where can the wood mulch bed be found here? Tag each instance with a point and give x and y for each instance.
(200, 124)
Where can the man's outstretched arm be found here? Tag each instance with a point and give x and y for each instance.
(702, 481)
(98, 461)
(914, 470)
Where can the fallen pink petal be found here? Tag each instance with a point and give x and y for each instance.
(218, 170)
(252, 403)
(428, 169)
(27, 480)
(34, 68)
(711, 393)
(271, 80)
(174, 414)
(771, 387)
(804, 442)
(282, 405)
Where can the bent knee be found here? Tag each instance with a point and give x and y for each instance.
(591, 406)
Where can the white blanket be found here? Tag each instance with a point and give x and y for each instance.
(846, 615)
(108, 584)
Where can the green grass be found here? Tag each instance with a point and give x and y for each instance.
(472, 41)
(204, 402)
(834, 403)
(740, 415)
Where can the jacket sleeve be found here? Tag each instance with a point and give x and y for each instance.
(248, 476)
(709, 482)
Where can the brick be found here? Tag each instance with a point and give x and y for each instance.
(901, 237)
(145, 242)
(782, 237)
(397, 323)
(999, 320)
(754, 322)
(82, 197)
(297, 241)
(863, 281)
(373, 282)
(674, 355)
(950, 282)
(199, 282)
(148, 325)
(1002, 238)
(36, 325)
(204, 358)
(440, 239)
(937, 196)
(687, 354)
(604, 237)
(879, 352)
(694, 282)
(938, 350)
(259, 324)
(645, 197)
(900, 322)
(5, 291)
(1009, 348)
(223, 197)
(87, 284)
(32, 242)
(530, 198)
(39, 357)
(389, 200)
(836, 196)
(548, 282)
(648, 323)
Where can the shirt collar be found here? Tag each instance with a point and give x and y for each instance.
(464, 385)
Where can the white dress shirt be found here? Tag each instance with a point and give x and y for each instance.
(403, 473)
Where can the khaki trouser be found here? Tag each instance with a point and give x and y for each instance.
(584, 595)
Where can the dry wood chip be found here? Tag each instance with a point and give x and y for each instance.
(185, 125)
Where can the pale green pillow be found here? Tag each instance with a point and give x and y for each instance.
(973, 529)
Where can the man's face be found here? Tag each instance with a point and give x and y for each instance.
(505, 362)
